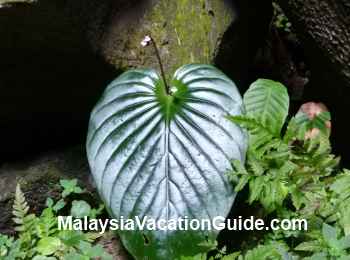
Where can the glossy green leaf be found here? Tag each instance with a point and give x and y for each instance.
(166, 156)
(267, 102)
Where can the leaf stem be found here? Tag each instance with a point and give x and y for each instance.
(167, 89)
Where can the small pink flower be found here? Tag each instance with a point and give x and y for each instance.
(146, 41)
(313, 109)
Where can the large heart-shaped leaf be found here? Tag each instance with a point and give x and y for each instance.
(166, 156)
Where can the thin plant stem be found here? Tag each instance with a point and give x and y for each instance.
(167, 89)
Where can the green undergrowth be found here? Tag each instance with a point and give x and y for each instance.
(39, 238)
(289, 172)
(292, 175)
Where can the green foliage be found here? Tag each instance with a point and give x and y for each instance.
(280, 20)
(274, 250)
(292, 175)
(327, 243)
(151, 154)
(80, 209)
(69, 187)
(267, 102)
(39, 237)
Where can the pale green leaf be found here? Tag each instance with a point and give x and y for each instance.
(48, 245)
(166, 156)
(267, 101)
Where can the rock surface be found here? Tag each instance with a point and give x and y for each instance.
(324, 29)
(50, 77)
(186, 31)
(39, 178)
(58, 56)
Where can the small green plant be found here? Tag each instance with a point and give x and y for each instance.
(39, 237)
(280, 20)
(292, 174)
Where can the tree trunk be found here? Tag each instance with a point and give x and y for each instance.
(325, 24)
(186, 31)
(324, 28)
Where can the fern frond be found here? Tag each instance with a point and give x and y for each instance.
(239, 175)
(47, 223)
(260, 137)
(24, 221)
(296, 129)
(20, 206)
(256, 166)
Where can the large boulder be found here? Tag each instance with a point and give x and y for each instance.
(186, 31)
(50, 77)
(58, 56)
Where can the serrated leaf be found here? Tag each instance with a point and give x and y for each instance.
(243, 180)
(256, 186)
(259, 135)
(267, 101)
(297, 197)
(166, 156)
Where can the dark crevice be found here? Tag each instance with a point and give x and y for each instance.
(50, 78)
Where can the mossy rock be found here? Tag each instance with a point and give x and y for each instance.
(58, 56)
(186, 31)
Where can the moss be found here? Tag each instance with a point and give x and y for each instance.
(191, 29)
(186, 31)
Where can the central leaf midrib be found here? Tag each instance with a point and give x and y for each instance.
(170, 111)
(166, 150)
